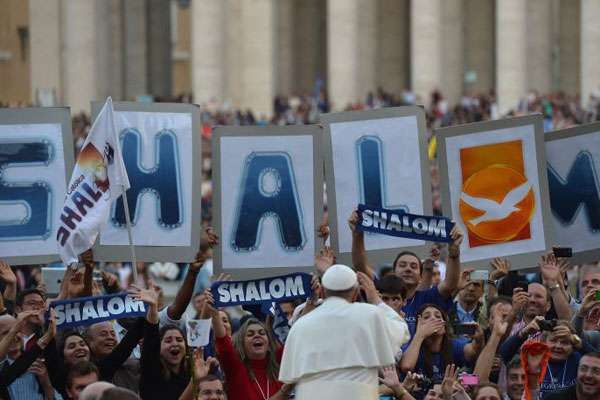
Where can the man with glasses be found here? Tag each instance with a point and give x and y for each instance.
(587, 384)
(31, 300)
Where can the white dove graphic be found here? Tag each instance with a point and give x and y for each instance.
(493, 210)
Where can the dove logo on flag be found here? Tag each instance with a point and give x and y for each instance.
(497, 201)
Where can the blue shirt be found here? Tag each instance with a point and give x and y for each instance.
(421, 297)
(560, 374)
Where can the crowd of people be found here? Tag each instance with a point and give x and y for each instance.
(415, 329)
(420, 329)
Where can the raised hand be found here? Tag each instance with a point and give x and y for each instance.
(87, 257)
(202, 367)
(411, 381)
(109, 280)
(450, 378)
(589, 301)
(465, 278)
(353, 220)
(532, 327)
(369, 288)
(390, 377)
(6, 273)
(519, 299)
(456, 235)
(549, 269)
(324, 259)
(208, 241)
(38, 368)
(149, 296)
(501, 267)
(500, 327)
(323, 232)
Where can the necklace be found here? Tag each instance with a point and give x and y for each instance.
(262, 394)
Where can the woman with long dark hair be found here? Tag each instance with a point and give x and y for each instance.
(164, 370)
(432, 350)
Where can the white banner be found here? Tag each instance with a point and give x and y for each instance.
(98, 179)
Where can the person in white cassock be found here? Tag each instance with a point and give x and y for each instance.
(335, 351)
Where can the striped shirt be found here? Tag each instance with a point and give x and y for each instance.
(26, 386)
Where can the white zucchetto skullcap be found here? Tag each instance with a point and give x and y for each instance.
(339, 277)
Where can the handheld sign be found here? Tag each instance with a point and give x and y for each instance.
(91, 310)
(198, 332)
(279, 289)
(412, 226)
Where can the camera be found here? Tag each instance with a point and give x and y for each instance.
(547, 324)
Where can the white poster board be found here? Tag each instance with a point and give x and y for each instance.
(268, 191)
(161, 151)
(36, 159)
(573, 157)
(494, 185)
(379, 158)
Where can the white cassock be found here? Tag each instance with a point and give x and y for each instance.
(335, 351)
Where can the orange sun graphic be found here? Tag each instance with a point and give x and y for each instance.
(497, 201)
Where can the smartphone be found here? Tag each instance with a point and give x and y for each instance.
(480, 275)
(547, 324)
(465, 329)
(52, 278)
(597, 295)
(469, 380)
(97, 275)
(523, 285)
(562, 252)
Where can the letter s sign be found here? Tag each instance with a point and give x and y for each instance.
(36, 156)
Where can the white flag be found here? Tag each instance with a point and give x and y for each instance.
(98, 179)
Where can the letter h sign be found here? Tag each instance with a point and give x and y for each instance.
(161, 150)
(267, 199)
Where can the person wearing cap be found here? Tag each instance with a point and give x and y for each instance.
(336, 350)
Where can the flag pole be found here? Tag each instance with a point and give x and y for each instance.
(131, 246)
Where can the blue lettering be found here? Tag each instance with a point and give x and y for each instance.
(162, 180)
(34, 196)
(581, 189)
(371, 176)
(268, 190)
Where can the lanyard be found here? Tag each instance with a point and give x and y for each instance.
(562, 384)
(265, 397)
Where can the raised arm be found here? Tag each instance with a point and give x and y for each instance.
(471, 350)
(201, 368)
(9, 338)
(10, 282)
(447, 287)
(359, 253)
(485, 361)
(184, 294)
(552, 278)
(87, 257)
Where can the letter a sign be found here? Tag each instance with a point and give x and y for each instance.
(267, 199)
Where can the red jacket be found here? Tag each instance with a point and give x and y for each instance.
(239, 385)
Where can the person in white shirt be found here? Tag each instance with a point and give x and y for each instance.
(336, 350)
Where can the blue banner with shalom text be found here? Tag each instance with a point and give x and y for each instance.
(401, 224)
(259, 291)
(90, 310)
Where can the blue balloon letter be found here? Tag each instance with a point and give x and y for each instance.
(34, 196)
(580, 189)
(268, 190)
(162, 180)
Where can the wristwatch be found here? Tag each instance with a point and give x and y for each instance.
(576, 340)
(553, 287)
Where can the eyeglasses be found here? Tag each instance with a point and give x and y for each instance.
(33, 303)
(391, 298)
(209, 392)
